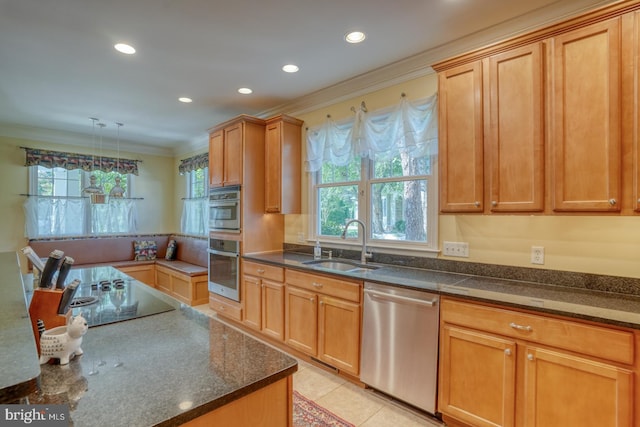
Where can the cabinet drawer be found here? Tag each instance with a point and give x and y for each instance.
(591, 340)
(344, 289)
(265, 271)
(223, 308)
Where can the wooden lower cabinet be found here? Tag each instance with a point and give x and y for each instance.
(192, 290)
(145, 273)
(487, 379)
(263, 299)
(477, 377)
(323, 319)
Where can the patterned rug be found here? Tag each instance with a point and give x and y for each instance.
(307, 413)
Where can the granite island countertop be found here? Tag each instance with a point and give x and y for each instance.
(162, 369)
(605, 307)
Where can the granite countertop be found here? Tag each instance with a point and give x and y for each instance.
(162, 369)
(605, 307)
(19, 367)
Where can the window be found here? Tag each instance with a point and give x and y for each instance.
(392, 197)
(58, 207)
(194, 210)
(380, 168)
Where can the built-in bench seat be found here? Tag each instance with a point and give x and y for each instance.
(184, 278)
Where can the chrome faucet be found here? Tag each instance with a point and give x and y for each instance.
(365, 254)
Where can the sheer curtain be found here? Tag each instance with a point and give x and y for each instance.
(409, 128)
(71, 216)
(195, 216)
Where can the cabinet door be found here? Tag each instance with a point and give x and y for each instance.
(516, 134)
(339, 334)
(252, 300)
(461, 139)
(273, 309)
(273, 167)
(586, 121)
(233, 155)
(216, 159)
(566, 390)
(301, 320)
(477, 377)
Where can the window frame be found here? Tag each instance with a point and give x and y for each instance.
(428, 247)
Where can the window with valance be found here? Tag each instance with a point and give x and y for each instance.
(194, 218)
(379, 167)
(57, 205)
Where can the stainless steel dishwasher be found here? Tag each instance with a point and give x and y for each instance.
(400, 344)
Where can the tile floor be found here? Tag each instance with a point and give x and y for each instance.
(360, 407)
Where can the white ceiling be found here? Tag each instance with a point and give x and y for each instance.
(58, 66)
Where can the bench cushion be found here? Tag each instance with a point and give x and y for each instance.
(183, 267)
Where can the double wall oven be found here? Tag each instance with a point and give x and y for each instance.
(224, 245)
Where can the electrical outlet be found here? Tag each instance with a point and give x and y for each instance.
(537, 254)
(457, 249)
(301, 238)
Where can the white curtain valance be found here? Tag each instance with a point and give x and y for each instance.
(409, 128)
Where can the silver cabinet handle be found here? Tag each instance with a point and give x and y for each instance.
(477, 204)
(520, 327)
(530, 356)
(312, 300)
(507, 351)
(494, 203)
(260, 271)
(317, 285)
(613, 202)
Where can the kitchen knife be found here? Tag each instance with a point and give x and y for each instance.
(67, 262)
(33, 257)
(50, 268)
(67, 296)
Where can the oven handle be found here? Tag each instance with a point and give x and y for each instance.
(223, 253)
(223, 204)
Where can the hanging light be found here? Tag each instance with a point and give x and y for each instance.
(117, 191)
(94, 190)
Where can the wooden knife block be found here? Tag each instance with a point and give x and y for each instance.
(44, 306)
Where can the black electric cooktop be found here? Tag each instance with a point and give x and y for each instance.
(107, 295)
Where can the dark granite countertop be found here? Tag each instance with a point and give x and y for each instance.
(162, 369)
(19, 367)
(604, 307)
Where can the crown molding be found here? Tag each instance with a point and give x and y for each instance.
(419, 65)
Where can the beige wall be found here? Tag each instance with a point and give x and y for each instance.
(592, 244)
(155, 184)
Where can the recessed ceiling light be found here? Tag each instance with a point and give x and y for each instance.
(185, 99)
(290, 68)
(245, 90)
(125, 48)
(355, 37)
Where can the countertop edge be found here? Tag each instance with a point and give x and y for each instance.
(459, 285)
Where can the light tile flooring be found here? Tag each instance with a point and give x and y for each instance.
(354, 404)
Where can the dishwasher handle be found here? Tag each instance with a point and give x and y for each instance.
(391, 297)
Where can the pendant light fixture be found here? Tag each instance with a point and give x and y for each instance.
(117, 191)
(94, 190)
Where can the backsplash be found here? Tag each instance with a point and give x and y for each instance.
(596, 282)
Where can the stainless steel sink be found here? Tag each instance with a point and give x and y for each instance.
(332, 264)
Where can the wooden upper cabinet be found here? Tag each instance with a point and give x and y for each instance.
(586, 118)
(283, 165)
(516, 130)
(233, 154)
(461, 138)
(226, 148)
(216, 159)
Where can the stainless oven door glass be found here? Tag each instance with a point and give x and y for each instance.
(224, 269)
(224, 209)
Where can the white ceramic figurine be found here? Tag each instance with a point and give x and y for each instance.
(64, 341)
